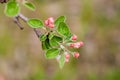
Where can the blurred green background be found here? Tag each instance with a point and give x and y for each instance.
(96, 22)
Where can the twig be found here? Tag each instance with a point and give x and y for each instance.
(38, 33)
(16, 20)
(4, 1)
(25, 19)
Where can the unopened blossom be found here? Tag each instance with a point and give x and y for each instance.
(76, 54)
(66, 60)
(71, 45)
(74, 37)
(78, 44)
(67, 56)
(50, 22)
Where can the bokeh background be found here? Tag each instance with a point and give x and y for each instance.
(96, 22)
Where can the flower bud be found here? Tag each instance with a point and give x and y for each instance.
(51, 20)
(76, 54)
(71, 44)
(74, 37)
(51, 25)
(78, 44)
(46, 23)
(67, 56)
(81, 43)
(66, 60)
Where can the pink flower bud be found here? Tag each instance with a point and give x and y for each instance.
(81, 43)
(78, 44)
(46, 22)
(67, 56)
(67, 60)
(51, 25)
(76, 54)
(74, 37)
(51, 20)
(71, 44)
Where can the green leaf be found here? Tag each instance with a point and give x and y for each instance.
(55, 40)
(63, 29)
(62, 61)
(68, 38)
(52, 53)
(35, 23)
(43, 37)
(43, 45)
(51, 35)
(59, 20)
(12, 9)
(46, 44)
(29, 5)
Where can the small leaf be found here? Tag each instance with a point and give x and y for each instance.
(43, 37)
(63, 29)
(55, 40)
(52, 53)
(62, 61)
(12, 9)
(68, 38)
(59, 20)
(35, 23)
(44, 47)
(51, 35)
(29, 5)
(46, 44)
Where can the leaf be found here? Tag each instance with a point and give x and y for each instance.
(43, 45)
(59, 20)
(55, 40)
(12, 9)
(52, 53)
(68, 38)
(46, 44)
(43, 37)
(29, 5)
(63, 29)
(35, 23)
(51, 35)
(62, 61)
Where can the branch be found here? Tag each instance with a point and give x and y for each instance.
(16, 20)
(4, 1)
(38, 33)
(25, 19)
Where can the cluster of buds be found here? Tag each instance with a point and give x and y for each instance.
(74, 45)
(67, 56)
(77, 44)
(50, 22)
